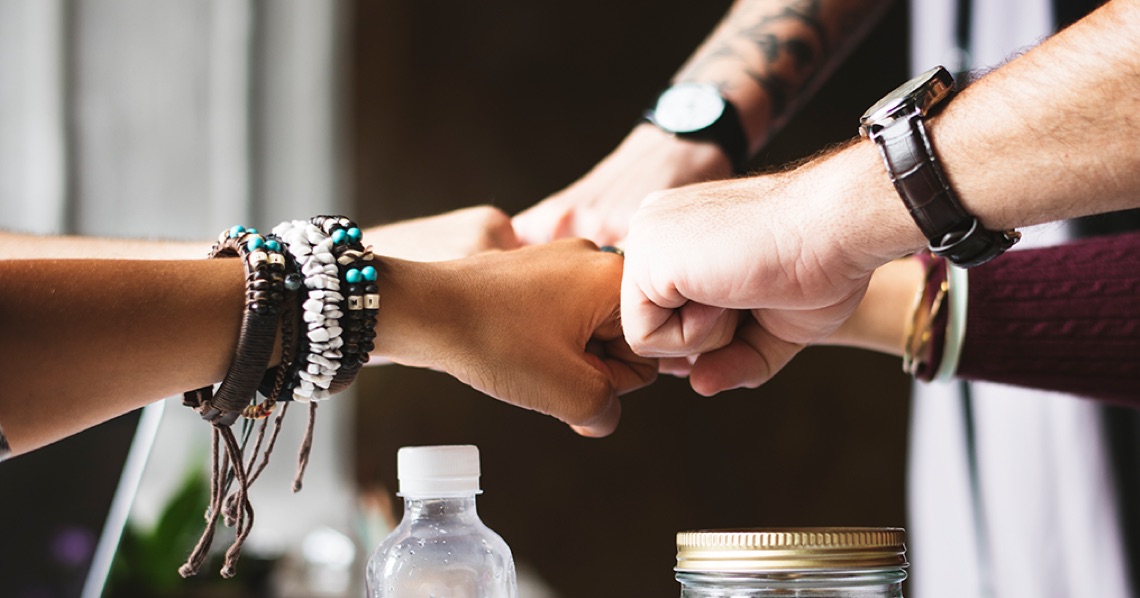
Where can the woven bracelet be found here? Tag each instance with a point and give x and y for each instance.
(267, 269)
(275, 384)
(265, 292)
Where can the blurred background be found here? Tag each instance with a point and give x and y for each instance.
(178, 118)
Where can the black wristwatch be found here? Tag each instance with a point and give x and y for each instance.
(698, 111)
(895, 124)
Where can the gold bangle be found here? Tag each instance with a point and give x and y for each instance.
(918, 330)
(908, 364)
(923, 351)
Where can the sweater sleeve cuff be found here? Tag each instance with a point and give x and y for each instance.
(1062, 318)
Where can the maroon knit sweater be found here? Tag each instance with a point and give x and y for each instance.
(1063, 318)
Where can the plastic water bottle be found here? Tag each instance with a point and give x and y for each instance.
(441, 549)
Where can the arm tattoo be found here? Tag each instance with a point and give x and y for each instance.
(781, 48)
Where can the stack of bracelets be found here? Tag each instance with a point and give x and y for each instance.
(313, 282)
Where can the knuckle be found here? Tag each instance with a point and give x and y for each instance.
(583, 244)
(640, 344)
(589, 406)
(491, 217)
(654, 197)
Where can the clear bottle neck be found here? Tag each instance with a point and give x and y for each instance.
(421, 508)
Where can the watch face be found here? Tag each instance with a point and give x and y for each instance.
(688, 107)
(923, 91)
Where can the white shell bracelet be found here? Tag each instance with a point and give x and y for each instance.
(312, 249)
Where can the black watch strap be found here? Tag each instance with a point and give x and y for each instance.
(913, 167)
(727, 131)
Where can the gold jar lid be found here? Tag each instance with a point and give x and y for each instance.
(791, 549)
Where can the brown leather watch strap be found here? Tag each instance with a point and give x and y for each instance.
(953, 233)
(919, 180)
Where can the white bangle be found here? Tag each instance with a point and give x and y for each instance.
(956, 322)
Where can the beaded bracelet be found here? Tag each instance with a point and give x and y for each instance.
(362, 299)
(362, 304)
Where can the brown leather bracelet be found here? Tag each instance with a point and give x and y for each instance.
(265, 274)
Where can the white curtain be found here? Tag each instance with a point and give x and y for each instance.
(1038, 517)
(175, 119)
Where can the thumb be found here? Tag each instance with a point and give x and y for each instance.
(751, 359)
(542, 222)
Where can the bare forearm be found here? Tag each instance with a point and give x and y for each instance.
(86, 340)
(1049, 136)
(1052, 134)
(766, 54)
(82, 341)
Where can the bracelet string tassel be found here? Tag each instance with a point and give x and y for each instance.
(306, 448)
(266, 311)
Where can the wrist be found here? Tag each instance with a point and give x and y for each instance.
(410, 314)
(691, 160)
(872, 225)
(880, 322)
(699, 111)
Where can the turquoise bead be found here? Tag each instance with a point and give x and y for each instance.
(355, 234)
(236, 231)
(352, 276)
(339, 236)
(255, 243)
(273, 245)
(369, 273)
(252, 231)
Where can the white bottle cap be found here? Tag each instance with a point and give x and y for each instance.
(438, 471)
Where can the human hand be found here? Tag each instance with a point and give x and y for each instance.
(744, 273)
(537, 327)
(598, 206)
(879, 323)
(448, 236)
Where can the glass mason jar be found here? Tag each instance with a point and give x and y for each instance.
(825, 562)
